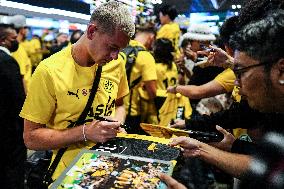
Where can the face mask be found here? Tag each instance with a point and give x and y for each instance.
(14, 46)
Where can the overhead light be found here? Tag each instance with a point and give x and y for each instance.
(236, 13)
(239, 6)
(234, 6)
(43, 10)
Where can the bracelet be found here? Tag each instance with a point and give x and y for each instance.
(84, 134)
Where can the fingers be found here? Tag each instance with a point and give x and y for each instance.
(221, 130)
(170, 182)
(183, 141)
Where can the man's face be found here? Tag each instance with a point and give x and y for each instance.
(255, 84)
(162, 18)
(11, 39)
(104, 47)
(62, 38)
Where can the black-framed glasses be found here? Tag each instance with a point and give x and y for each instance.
(239, 71)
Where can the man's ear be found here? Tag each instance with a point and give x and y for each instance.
(91, 29)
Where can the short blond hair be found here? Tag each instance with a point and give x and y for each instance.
(113, 15)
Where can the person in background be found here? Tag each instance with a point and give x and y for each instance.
(61, 42)
(12, 97)
(21, 54)
(257, 73)
(61, 86)
(141, 73)
(75, 36)
(169, 28)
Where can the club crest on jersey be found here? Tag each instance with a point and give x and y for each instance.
(84, 92)
(108, 86)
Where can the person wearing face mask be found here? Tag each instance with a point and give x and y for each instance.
(21, 55)
(12, 97)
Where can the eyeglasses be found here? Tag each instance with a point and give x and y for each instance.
(239, 71)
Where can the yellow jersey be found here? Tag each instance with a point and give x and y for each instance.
(172, 32)
(60, 89)
(145, 67)
(24, 62)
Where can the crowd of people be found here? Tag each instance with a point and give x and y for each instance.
(52, 98)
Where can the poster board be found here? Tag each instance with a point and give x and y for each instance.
(93, 169)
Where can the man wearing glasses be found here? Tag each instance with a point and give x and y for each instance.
(259, 67)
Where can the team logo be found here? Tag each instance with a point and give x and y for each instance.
(70, 93)
(108, 86)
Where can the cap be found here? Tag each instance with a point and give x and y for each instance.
(19, 21)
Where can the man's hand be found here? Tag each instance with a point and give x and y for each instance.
(170, 182)
(171, 89)
(190, 146)
(178, 123)
(227, 142)
(101, 131)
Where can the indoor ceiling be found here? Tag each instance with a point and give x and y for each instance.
(187, 6)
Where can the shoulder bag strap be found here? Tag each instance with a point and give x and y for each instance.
(48, 176)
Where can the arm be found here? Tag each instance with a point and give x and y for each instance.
(38, 137)
(209, 89)
(151, 88)
(119, 110)
(234, 164)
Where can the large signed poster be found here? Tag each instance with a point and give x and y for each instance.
(92, 169)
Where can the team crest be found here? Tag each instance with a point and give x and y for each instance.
(108, 86)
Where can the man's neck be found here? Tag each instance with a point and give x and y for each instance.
(142, 38)
(81, 56)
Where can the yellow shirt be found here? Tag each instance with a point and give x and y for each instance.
(34, 52)
(145, 67)
(166, 77)
(172, 32)
(24, 62)
(226, 79)
(59, 92)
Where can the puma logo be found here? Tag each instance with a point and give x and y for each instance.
(74, 94)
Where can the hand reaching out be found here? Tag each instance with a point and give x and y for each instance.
(227, 142)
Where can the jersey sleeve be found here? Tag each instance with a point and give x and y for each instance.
(40, 101)
(226, 79)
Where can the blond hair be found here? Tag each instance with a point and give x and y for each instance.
(114, 15)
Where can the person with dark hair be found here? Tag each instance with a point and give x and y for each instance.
(61, 42)
(166, 69)
(169, 29)
(259, 69)
(75, 36)
(21, 55)
(62, 85)
(12, 97)
(141, 73)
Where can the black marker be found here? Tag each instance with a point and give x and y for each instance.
(109, 120)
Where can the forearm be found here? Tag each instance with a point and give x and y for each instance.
(234, 164)
(44, 138)
(188, 91)
(120, 114)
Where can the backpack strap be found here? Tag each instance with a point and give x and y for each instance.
(131, 53)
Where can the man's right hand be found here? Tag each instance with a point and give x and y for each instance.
(101, 131)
